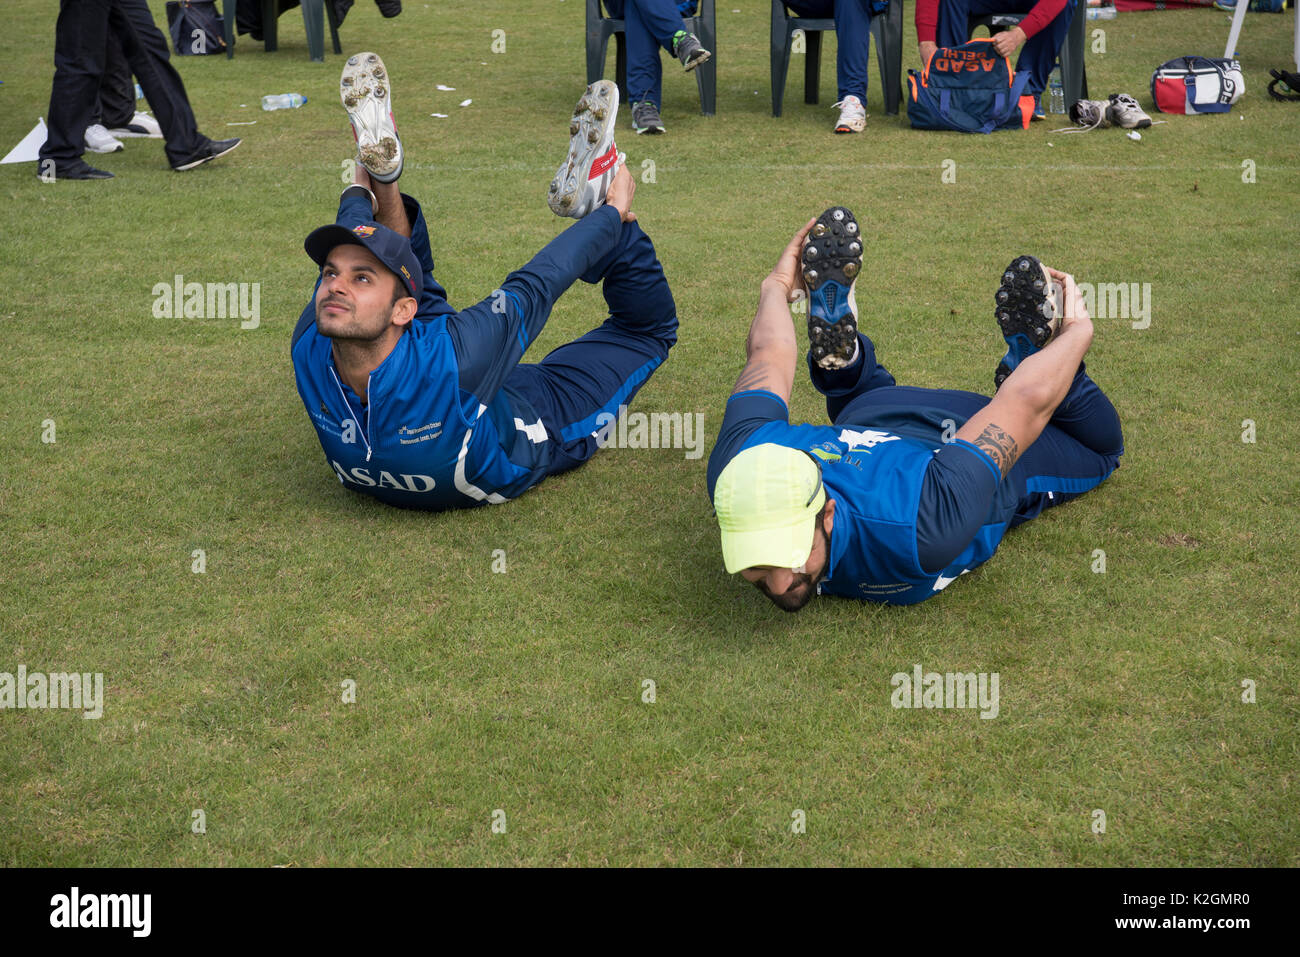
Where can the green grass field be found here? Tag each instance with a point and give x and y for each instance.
(521, 691)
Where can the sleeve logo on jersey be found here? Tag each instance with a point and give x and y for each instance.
(866, 439)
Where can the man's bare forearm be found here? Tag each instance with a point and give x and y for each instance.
(1044, 378)
(771, 348)
(772, 325)
(392, 211)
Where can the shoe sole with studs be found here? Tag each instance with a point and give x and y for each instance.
(580, 182)
(367, 93)
(832, 259)
(1028, 312)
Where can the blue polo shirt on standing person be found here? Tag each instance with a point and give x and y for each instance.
(914, 508)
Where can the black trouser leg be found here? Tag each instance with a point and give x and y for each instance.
(79, 53)
(145, 48)
(116, 88)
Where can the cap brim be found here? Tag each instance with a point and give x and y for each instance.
(320, 241)
(786, 547)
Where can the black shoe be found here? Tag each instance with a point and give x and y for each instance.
(207, 153)
(341, 8)
(1028, 313)
(389, 8)
(79, 169)
(832, 258)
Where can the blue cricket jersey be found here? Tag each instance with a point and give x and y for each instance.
(876, 473)
(420, 441)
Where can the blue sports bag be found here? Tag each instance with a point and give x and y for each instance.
(968, 88)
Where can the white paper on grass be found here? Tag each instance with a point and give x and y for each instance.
(466, 102)
(445, 88)
(28, 149)
(442, 116)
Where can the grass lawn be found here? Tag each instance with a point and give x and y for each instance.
(522, 691)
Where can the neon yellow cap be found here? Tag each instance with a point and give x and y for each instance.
(767, 499)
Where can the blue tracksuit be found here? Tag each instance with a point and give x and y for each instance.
(648, 25)
(452, 419)
(852, 40)
(916, 508)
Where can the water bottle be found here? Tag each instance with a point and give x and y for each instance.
(283, 101)
(1058, 92)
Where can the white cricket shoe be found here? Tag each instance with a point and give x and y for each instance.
(142, 124)
(581, 181)
(367, 93)
(98, 140)
(853, 115)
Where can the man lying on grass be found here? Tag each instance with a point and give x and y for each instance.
(422, 405)
(909, 488)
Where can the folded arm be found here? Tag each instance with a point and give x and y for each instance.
(1017, 415)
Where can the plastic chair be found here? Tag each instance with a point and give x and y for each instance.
(314, 15)
(1074, 75)
(886, 31)
(600, 28)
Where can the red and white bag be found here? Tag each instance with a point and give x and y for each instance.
(1197, 84)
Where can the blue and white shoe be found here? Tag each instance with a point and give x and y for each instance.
(1029, 312)
(832, 259)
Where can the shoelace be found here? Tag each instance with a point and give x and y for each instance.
(1081, 128)
(853, 110)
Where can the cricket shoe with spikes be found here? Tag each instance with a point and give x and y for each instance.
(1029, 312)
(581, 181)
(832, 259)
(367, 93)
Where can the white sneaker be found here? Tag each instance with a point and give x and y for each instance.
(142, 124)
(853, 116)
(367, 93)
(1091, 114)
(581, 181)
(1125, 112)
(98, 140)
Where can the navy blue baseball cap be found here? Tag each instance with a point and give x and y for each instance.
(389, 247)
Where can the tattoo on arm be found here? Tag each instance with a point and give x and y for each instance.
(1000, 446)
(752, 376)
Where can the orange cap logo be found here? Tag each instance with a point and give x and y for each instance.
(363, 231)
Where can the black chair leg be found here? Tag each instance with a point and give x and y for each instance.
(812, 67)
(334, 26)
(780, 61)
(270, 28)
(706, 74)
(620, 67)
